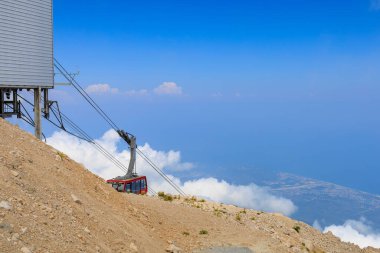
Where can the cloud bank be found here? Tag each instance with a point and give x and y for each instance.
(358, 232)
(166, 88)
(248, 196)
(101, 88)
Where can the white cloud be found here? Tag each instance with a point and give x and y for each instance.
(170, 159)
(375, 5)
(249, 196)
(358, 232)
(85, 153)
(317, 225)
(101, 88)
(168, 88)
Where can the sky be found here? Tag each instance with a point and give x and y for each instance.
(280, 86)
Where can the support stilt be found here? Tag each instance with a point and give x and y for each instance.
(1, 102)
(37, 113)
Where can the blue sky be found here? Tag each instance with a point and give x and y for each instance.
(286, 86)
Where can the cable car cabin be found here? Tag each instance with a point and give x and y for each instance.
(137, 185)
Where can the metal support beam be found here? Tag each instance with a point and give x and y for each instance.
(14, 94)
(46, 103)
(37, 113)
(1, 102)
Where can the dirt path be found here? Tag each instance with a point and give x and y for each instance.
(225, 250)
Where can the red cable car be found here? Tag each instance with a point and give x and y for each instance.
(130, 182)
(137, 185)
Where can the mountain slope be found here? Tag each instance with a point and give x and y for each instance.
(49, 203)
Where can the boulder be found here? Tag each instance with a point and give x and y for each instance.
(5, 205)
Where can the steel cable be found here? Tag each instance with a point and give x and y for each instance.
(97, 108)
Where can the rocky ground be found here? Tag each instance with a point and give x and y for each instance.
(49, 203)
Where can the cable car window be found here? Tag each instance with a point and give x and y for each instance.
(143, 184)
(134, 187)
(115, 185)
(120, 187)
(128, 188)
(138, 186)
